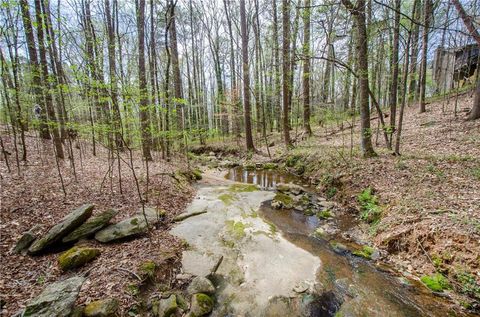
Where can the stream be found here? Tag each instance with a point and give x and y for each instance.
(273, 266)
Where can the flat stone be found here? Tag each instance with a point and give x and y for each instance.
(201, 285)
(101, 308)
(128, 227)
(24, 242)
(91, 226)
(64, 227)
(56, 299)
(76, 257)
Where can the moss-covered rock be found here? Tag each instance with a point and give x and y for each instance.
(365, 252)
(91, 226)
(201, 285)
(226, 198)
(270, 166)
(290, 188)
(24, 242)
(166, 307)
(202, 304)
(436, 282)
(249, 166)
(147, 269)
(101, 308)
(65, 226)
(324, 214)
(76, 257)
(282, 200)
(197, 174)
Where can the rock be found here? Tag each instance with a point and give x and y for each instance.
(128, 227)
(365, 252)
(91, 226)
(183, 276)
(186, 215)
(282, 200)
(56, 299)
(24, 242)
(76, 257)
(66, 225)
(211, 154)
(102, 308)
(290, 188)
(301, 287)
(167, 306)
(201, 285)
(338, 247)
(77, 311)
(201, 305)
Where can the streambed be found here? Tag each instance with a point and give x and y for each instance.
(273, 266)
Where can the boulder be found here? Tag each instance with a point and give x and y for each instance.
(91, 226)
(128, 227)
(201, 305)
(290, 188)
(64, 227)
(282, 200)
(201, 285)
(76, 257)
(101, 308)
(167, 306)
(56, 299)
(24, 242)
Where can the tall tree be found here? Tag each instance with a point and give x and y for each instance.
(246, 78)
(467, 20)
(52, 117)
(427, 12)
(358, 12)
(286, 88)
(394, 67)
(306, 67)
(142, 81)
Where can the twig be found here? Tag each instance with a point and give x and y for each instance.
(130, 272)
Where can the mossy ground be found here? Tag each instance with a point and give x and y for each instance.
(365, 252)
(226, 198)
(436, 282)
(285, 199)
(243, 188)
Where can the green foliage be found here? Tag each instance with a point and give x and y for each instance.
(331, 192)
(365, 252)
(436, 282)
(324, 214)
(475, 172)
(468, 283)
(370, 211)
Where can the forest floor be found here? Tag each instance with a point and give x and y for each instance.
(429, 196)
(35, 197)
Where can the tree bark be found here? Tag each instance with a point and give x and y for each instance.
(306, 68)
(423, 67)
(246, 78)
(143, 105)
(394, 67)
(286, 71)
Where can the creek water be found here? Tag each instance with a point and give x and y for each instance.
(274, 266)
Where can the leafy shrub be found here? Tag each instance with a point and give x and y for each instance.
(436, 282)
(370, 211)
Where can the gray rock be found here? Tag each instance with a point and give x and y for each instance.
(201, 285)
(290, 188)
(101, 308)
(91, 226)
(201, 305)
(65, 226)
(24, 242)
(128, 227)
(167, 306)
(56, 299)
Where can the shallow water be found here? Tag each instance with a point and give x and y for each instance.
(271, 263)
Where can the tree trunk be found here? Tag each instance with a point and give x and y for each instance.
(34, 68)
(306, 68)
(394, 68)
(143, 105)
(57, 141)
(358, 13)
(246, 78)
(467, 20)
(286, 71)
(423, 70)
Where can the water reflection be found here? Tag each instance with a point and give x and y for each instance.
(266, 179)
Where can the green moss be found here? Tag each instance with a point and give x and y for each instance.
(331, 192)
(285, 199)
(236, 228)
(366, 252)
(133, 289)
(76, 257)
(249, 166)
(202, 304)
(243, 188)
(270, 166)
(324, 214)
(197, 174)
(134, 221)
(436, 282)
(147, 269)
(226, 198)
(370, 211)
(103, 307)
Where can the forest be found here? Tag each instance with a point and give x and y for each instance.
(240, 158)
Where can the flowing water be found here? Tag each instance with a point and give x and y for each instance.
(273, 266)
